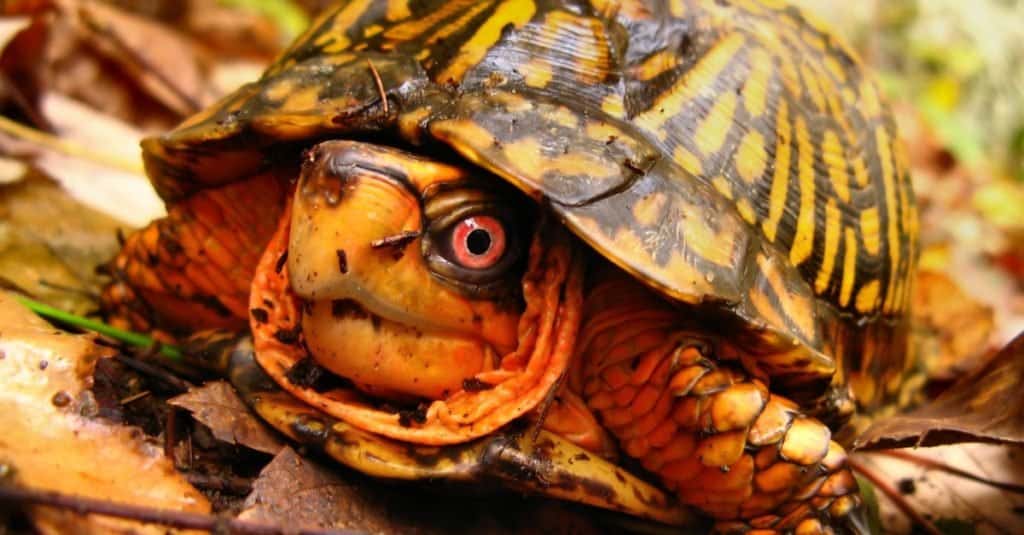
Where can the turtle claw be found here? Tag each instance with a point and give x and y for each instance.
(545, 464)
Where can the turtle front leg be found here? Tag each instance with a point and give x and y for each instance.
(192, 269)
(718, 437)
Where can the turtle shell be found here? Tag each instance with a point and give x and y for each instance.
(732, 155)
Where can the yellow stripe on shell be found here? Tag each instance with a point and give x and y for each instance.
(892, 231)
(755, 90)
(712, 131)
(780, 180)
(869, 230)
(413, 29)
(688, 161)
(835, 161)
(514, 12)
(803, 242)
(867, 297)
(689, 85)
(751, 157)
(849, 267)
(833, 226)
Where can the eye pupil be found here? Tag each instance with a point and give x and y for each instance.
(478, 242)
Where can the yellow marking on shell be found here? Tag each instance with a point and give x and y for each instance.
(813, 86)
(892, 231)
(340, 23)
(602, 131)
(780, 181)
(280, 89)
(423, 54)
(690, 84)
(763, 305)
(306, 98)
(746, 210)
(834, 68)
(459, 23)
(688, 161)
(614, 106)
(860, 171)
(869, 230)
(513, 102)
(755, 90)
(527, 156)
(397, 10)
(409, 123)
(372, 30)
(712, 131)
(870, 103)
(867, 297)
(655, 65)
(813, 39)
(723, 186)
(828, 259)
(648, 210)
(681, 276)
(514, 12)
(408, 31)
(796, 307)
(849, 267)
(537, 72)
(565, 117)
(835, 162)
(591, 54)
(715, 247)
(751, 157)
(803, 242)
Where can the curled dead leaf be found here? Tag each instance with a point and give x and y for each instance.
(217, 406)
(986, 405)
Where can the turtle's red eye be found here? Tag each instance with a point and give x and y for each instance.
(478, 242)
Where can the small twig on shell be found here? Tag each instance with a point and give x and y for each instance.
(380, 85)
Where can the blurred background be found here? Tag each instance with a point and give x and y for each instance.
(82, 81)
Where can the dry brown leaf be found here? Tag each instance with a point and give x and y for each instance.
(298, 492)
(945, 498)
(217, 406)
(952, 330)
(44, 376)
(984, 406)
(164, 63)
(50, 243)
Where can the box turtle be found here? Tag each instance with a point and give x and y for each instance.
(675, 235)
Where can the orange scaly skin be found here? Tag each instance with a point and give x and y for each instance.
(192, 269)
(715, 435)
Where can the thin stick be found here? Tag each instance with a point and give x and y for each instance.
(150, 515)
(238, 486)
(134, 397)
(380, 85)
(127, 337)
(941, 466)
(897, 499)
(68, 148)
(155, 372)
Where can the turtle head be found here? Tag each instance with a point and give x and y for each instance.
(409, 269)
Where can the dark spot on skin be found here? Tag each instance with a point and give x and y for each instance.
(260, 315)
(581, 457)
(906, 486)
(61, 399)
(472, 384)
(43, 364)
(348, 308)
(342, 261)
(268, 303)
(418, 415)
(288, 336)
(610, 140)
(280, 261)
(305, 373)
